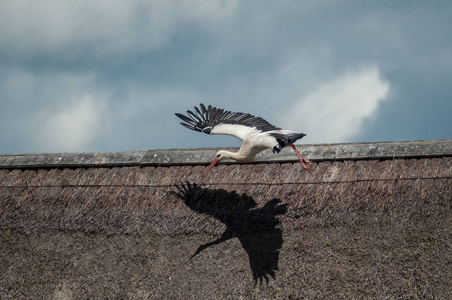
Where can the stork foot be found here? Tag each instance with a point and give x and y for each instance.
(302, 159)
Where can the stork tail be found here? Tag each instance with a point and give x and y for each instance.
(285, 140)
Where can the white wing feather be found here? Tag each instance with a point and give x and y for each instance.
(239, 131)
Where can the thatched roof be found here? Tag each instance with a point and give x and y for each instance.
(369, 221)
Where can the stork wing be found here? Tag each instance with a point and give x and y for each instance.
(212, 120)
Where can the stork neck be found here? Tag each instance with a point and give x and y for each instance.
(241, 156)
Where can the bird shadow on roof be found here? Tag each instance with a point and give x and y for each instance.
(256, 228)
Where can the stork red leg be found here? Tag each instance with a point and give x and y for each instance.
(302, 158)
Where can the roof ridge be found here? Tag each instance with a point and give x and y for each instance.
(162, 157)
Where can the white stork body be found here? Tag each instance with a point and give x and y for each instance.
(254, 142)
(256, 133)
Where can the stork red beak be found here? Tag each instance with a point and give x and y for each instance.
(214, 162)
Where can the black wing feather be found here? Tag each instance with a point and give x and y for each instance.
(205, 119)
(184, 118)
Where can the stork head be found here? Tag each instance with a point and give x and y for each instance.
(218, 156)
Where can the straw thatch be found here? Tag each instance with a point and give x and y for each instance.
(347, 229)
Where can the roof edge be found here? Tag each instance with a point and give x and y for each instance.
(168, 157)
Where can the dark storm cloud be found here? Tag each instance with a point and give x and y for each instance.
(86, 76)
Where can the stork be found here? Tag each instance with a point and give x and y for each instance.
(256, 133)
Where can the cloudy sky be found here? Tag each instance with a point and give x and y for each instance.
(101, 76)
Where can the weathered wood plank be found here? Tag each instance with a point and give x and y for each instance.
(319, 152)
(71, 159)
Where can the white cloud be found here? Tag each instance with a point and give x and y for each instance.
(52, 111)
(72, 128)
(335, 110)
(100, 27)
